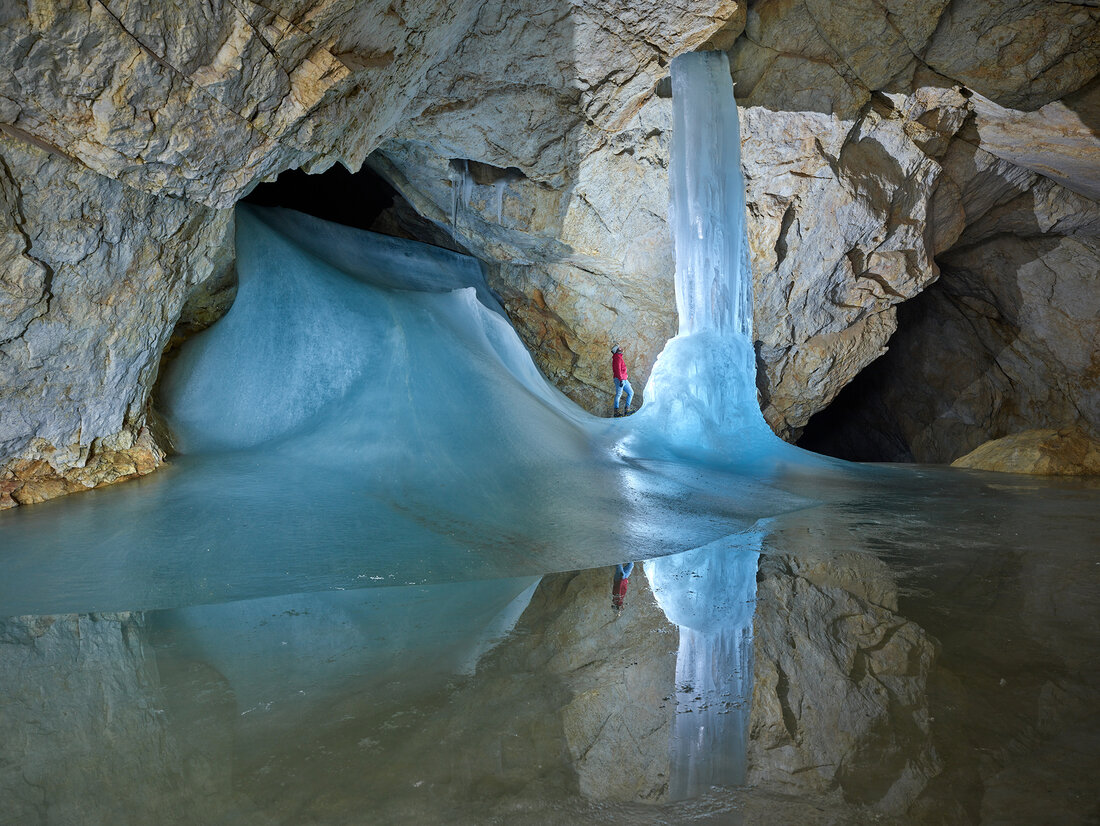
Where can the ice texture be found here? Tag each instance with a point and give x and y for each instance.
(713, 274)
(701, 396)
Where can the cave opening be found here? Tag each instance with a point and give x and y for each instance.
(860, 424)
(354, 199)
(363, 200)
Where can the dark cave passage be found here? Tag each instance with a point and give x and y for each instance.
(363, 199)
(862, 422)
(354, 199)
(858, 426)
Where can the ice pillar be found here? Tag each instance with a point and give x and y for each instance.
(713, 274)
(701, 396)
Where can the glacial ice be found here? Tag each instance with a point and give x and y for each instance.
(365, 415)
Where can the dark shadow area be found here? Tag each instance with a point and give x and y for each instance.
(859, 426)
(354, 199)
(485, 174)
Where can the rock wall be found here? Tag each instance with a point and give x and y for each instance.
(95, 275)
(1004, 341)
(882, 146)
(124, 134)
(870, 160)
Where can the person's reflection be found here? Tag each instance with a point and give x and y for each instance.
(619, 583)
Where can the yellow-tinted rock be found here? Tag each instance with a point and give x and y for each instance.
(1065, 452)
(126, 456)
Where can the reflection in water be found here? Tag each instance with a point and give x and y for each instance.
(944, 678)
(619, 583)
(709, 593)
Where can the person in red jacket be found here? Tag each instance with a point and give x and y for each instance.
(618, 370)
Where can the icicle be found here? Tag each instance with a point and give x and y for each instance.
(499, 187)
(462, 189)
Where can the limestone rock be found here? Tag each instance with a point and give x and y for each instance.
(97, 282)
(836, 227)
(112, 459)
(1066, 452)
(878, 135)
(576, 211)
(1020, 54)
(932, 100)
(216, 97)
(1004, 342)
(1055, 140)
(839, 685)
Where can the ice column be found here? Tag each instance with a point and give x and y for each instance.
(701, 396)
(713, 274)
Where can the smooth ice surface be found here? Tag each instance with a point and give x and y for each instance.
(290, 655)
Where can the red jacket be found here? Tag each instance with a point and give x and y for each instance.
(618, 366)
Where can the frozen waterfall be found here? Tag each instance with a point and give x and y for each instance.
(701, 396)
(702, 393)
(713, 273)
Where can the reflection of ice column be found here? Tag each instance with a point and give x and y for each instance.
(710, 593)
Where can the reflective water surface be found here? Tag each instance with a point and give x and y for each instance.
(890, 657)
(377, 588)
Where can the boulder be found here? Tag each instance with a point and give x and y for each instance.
(1065, 452)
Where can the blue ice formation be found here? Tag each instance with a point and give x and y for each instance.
(701, 397)
(365, 415)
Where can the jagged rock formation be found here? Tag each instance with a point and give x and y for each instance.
(95, 274)
(887, 154)
(882, 146)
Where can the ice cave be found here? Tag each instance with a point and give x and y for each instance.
(313, 509)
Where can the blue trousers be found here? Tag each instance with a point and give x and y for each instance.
(620, 386)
